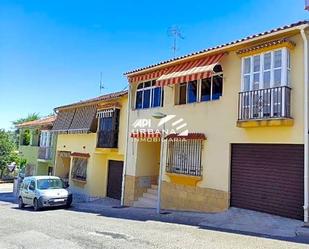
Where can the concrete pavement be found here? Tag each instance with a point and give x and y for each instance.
(107, 227)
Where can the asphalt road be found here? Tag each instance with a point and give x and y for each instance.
(73, 229)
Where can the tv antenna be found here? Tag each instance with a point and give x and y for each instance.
(101, 83)
(175, 32)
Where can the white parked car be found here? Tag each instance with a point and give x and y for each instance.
(43, 191)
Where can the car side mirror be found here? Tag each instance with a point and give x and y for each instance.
(65, 184)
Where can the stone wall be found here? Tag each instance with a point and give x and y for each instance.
(188, 198)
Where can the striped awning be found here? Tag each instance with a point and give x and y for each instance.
(193, 136)
(78, 154)
(145, 134)
(77, 120)
(83, 119)
(191, 70)
(107, 113)
(194, 70)
(63, 121)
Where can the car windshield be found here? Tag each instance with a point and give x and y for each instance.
(49, 184)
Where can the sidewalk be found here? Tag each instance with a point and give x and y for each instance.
(234, 219)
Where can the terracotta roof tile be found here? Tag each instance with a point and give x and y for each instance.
(40, 122)
(106, 97)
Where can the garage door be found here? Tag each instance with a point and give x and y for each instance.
(114, 183)
(268, 178)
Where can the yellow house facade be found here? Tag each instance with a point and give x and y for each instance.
(91, 145)
(232, 131)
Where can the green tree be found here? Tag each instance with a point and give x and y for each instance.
(8, 152)
(26, 138)
(30, 117)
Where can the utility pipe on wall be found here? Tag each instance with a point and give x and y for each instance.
(126, 147)
(306, 123)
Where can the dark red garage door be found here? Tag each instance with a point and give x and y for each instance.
(268, 178)
(114, 183)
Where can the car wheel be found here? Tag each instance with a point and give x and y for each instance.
(20, 203)
(36, 205)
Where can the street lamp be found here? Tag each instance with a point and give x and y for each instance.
(160, 115)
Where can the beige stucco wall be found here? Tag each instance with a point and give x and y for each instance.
(148, 160)
(217, 119)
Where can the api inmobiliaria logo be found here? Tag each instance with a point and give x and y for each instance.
(143, 130)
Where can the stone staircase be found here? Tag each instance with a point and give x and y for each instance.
(149, 199)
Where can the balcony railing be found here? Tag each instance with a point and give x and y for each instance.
(267, 103)
(107, 139)
(45, 153)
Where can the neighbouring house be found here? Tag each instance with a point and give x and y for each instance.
(235, 132)
(91, 145)
(37, 145)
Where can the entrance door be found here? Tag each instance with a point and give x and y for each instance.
(114, 183)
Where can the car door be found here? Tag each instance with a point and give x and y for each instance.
(24, 192)
(31, 192)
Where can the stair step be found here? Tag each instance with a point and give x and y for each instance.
(154, 186)
(152, 191)
(145, 202)
(151, 196)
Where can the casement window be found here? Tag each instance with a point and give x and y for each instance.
(148, 95)
(79, 168)
(201, 90)
(108, 128)
(266, 70)
(184, 156)
(45, 139)
(266, 78)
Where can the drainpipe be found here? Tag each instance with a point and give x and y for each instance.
(306, 122)
(126, 147)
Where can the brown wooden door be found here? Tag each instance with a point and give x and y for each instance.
(268, 178)
(114, 182)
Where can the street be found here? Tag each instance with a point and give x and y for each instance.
(112, 228)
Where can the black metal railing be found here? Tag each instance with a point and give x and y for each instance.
(45, 153)
(184, 157)
(265, 103)
(107, 139)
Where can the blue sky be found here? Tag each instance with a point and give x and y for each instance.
(52, 51)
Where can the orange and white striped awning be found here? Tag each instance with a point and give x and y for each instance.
(141, 134)
(194, 70)
(184, 72)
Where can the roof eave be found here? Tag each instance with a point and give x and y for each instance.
(71, 106)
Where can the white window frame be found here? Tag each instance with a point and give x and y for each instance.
(46, 138)
(284, 68)
(151, 88)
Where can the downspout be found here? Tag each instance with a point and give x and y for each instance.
(306, 122)
(126, 147)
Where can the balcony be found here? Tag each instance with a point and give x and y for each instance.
(107, 139)
(45, 153)
(265, 107)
